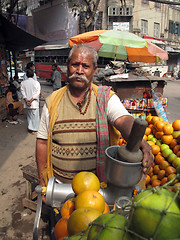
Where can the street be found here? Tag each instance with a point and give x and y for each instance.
(172, 92)
(17, 149)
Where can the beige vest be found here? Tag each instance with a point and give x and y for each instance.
(74, 138)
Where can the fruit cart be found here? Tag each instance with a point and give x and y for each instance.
(135, 92)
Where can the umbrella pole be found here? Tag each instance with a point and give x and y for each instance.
(115, 53)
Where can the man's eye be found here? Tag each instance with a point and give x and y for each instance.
(86, 66)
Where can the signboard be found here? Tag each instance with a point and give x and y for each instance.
(123, 26)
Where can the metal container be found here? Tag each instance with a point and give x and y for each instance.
(121, 174)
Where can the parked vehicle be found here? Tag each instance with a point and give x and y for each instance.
(19, 71)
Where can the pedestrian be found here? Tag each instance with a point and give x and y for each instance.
(30, 65)
(30, 90)
(56, 78)
(13, 104)
(76, 123)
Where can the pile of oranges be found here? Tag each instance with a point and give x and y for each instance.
(164, 140)
(85, 207)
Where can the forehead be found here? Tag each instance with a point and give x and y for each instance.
(82, 55)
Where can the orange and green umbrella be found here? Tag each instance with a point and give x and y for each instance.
(117, 45)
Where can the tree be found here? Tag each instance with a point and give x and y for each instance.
(86, 10)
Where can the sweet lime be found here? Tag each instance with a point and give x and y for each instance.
(156, 215)
(109, 226)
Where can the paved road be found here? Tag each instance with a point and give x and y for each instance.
(172, 92)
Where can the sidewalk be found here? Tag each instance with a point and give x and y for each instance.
(17, 148)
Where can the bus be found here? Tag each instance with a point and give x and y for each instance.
(46, 55)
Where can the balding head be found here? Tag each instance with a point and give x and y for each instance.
(86, 49)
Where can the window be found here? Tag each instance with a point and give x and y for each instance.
(156, 30)
(157, 5)
(145, 2)
(144, 27)
(176, 28)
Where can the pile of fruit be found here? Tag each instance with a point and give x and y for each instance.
(86, 206)
(154, 215)
(164, 140)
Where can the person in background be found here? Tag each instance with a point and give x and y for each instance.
(17, 86)
(79, 121)
(30, 90)
(31, 66)
(56, 78)
(14, 106)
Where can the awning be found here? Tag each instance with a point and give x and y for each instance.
(15, 38)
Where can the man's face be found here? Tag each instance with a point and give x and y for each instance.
(81, 69)
(32, 68)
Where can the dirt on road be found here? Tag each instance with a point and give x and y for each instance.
(17, 149)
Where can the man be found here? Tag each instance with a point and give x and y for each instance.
(31, 66)
(73, 132)
(56, 78)
(30, 90)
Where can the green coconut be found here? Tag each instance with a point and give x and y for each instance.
(156, 215)
(109, 226)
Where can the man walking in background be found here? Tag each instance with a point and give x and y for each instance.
(30, 90)
(56, 78)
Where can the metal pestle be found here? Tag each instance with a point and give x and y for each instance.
(131, 151)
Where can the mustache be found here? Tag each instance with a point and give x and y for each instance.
(79, 76)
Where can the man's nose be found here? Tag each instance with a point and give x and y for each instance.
(80, 69)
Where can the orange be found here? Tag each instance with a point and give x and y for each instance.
(167, 138)
(155, 149)
(168, 129)
(176, 185)
(176, 149)
(161, 174)
(163, 165)
(171, 176)
(106, 209)
(91, 199)
(151, 143)
(173, 143)
(176, 125)
(148, 179)
(178, 154)
(170, 170)
(159, 126)
(80, 219)
(154, 177)
(145, 137)
(85, 181)
(156, 183)
(67, 208)
(158, 135)
(147, 131)
(159, 158)
(151, 126)
(148, 118)
(156, 169)
(60, 229)
(154, 119)
(154, 131)
(164, 180)
(150, 171)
